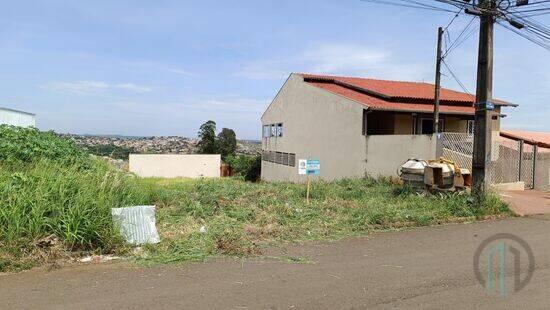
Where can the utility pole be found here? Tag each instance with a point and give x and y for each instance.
(437, 80)
(483, 106)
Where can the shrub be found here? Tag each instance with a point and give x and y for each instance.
(246, 166)
(25, 145)
(111, 150)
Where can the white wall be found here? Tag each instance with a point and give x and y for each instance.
(16, 118)
(175, 166)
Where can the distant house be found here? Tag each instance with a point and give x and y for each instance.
(358, 126)
(17, 118)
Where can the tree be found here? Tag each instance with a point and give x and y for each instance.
(207, 135)
(227, 142)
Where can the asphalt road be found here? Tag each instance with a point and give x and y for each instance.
(427, 268)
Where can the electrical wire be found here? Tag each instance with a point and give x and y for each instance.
(456, 78)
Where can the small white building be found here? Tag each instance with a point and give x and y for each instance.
(16, 118)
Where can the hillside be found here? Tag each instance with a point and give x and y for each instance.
(156, 145)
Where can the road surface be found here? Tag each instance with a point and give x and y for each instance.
(426, 268)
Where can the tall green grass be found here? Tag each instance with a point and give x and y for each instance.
(240, 217)
(51, 188)
(71, 203)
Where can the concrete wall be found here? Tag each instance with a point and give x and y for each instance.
(175, 166)
(386, 153)
(16, 118)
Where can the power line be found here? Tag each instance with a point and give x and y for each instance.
(409, 4)
(456, 78)
(449, 48)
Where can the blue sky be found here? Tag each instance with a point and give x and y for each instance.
(164, 67)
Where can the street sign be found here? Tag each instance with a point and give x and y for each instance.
(313, 166)
(309, 166)
(487, 105)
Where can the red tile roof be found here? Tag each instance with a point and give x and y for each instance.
(395, 95)
(542, 139)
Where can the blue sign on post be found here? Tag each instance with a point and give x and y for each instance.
(309, 166)
(313, 166)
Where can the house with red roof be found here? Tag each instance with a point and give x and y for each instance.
(358, 126)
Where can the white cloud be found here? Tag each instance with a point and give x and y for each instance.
(93, 87)
(342, 59)
(133, 88)
(158, 66)
(78, 87)
(180, 71)
(334, 58)
(218, 105)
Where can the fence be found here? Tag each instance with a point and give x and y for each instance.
(511, 160)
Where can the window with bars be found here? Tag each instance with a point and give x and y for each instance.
(272, 130)
(282, 158)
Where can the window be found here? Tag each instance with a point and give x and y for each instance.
(280, 130)
(427, 126)
(471, 127)
(278, 157)
(291, 159)
(285, 159)
(265, 131)
(282, 158)
(272, 130)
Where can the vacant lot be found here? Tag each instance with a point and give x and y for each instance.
(201, 218)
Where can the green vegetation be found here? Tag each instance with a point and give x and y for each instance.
(110, 150)
(240, 218)
(207, 138)
(227, 142)
(246, 166)
(53, 190)
(25, 145)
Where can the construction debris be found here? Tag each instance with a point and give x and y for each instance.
(435, 175)
(137, 224)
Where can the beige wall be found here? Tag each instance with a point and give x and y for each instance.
(403, 124)
(455, 124)
(386, 153)
(175, 166)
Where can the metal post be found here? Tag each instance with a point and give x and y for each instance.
(535, 150)
(437, 80)
(482, 135)
(520, 158)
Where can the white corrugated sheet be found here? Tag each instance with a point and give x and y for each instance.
(137, 224)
